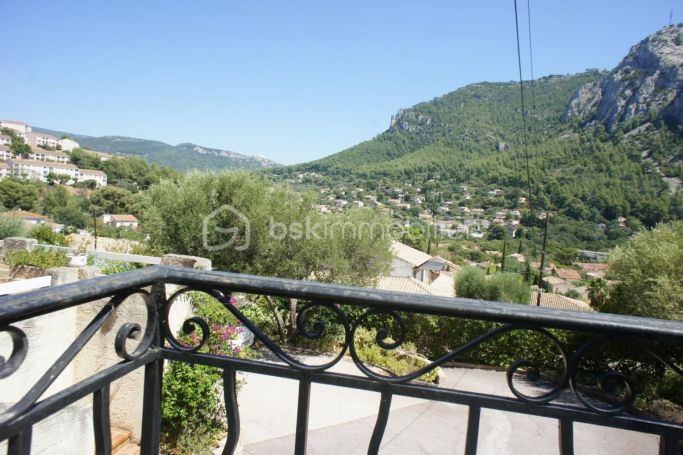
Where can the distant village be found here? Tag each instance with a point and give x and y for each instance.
(46, 160)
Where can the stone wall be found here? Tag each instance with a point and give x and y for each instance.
(70, 430)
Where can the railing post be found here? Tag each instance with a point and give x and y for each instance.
(302, 415)
(151, 411)
(381, 423)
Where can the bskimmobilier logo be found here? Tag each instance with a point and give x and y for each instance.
(238, 228)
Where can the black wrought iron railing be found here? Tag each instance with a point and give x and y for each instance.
(350, 308)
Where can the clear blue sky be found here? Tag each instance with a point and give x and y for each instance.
(290, 80)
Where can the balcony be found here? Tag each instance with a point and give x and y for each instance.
(574, 395)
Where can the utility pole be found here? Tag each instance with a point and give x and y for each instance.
(540, 271)
(671, 16)
(94, 223)
(502, 261)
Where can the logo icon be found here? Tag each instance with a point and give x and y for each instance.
(239, 229)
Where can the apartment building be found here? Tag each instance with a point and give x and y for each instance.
(41, 140)
(39, 170)
(5, 153)
(21, 128)
(99, 177)
(39, 154)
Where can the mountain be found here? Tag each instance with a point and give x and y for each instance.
(477, 119)
(647, 85)
(182, 157)
(599, 146)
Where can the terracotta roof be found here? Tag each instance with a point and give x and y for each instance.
(551, 300)
(593, 266)
(23, 214)
(123, 218)
(409, 254)
(402, 284)
(568, 274)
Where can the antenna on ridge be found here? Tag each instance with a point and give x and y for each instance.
(671, 15)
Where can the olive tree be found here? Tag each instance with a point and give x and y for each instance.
(246, 224)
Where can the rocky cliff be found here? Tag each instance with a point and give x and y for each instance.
(647, 85)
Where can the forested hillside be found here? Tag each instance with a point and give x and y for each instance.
(181, 157)
(588, 161)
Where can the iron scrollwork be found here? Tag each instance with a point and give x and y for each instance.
(564, 379)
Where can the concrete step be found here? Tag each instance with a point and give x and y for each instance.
(128, 449)
(119, 438)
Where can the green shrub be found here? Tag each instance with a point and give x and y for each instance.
(112, 267)
(40, 257)
(472, 282)
(193, 416)
(11, 227)
(43, 233)
(400, 361)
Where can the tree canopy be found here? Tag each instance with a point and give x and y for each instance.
(648, 271)
(285, 236)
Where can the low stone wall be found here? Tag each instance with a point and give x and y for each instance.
(70, 430)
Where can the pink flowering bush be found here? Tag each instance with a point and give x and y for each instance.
(193, 416)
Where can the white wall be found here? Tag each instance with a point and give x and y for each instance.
(399, 267)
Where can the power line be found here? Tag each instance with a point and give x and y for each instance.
(531, 57)
(524, 124)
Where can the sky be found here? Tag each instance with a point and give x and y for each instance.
(290, 80)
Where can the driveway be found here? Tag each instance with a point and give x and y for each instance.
(341, 421)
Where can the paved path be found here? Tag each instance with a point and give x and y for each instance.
(341, 421)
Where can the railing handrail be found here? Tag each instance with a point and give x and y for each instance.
(19, 307)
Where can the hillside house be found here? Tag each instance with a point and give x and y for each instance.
(4, 169)
(567, 274)
(5, 139)
(27, 217)
(406, 261)
(118, 221)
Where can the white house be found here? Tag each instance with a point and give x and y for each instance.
(67, 144)
(406, 261)
(4, 169)
(27, 217)
(117, 221)
(99, 177)
(20, 127)
(41, 139)
(39, 154)
(5, 139)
